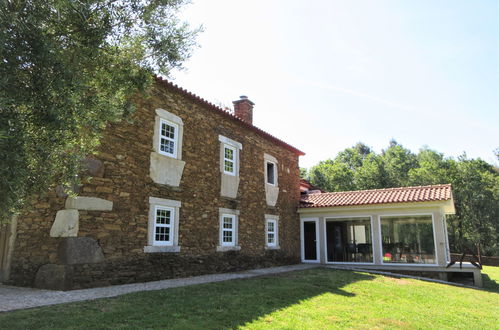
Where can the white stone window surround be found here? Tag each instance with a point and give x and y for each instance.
(271, 190)
(229, 181)
(167, 168)
(163, 116)
(171, 245)
(272, 160)
(270, 218)
(236, 147)
(225, 246)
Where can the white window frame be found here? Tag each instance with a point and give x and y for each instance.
(274, 173)
(228, 246)
(236, 147)
(275, 222)
(171, 245)
(174, 140)
(234, 160)
(232, 230)
(170, 226)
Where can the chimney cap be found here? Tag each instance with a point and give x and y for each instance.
(243, 98)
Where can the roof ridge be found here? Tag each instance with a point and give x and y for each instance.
(214, 107)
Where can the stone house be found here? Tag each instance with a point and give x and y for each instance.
(183, 188)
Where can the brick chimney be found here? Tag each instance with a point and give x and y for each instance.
(243, 108)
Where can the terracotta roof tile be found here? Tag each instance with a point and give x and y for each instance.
(230, 115)
(440, 192)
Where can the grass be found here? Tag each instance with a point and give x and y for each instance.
(314, 299)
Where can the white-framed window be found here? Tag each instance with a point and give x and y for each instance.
(229, 155)
(168, 134)
(230, 160)
(168, 138)
(270, 164)
(271, 172)
(164, 218)
(163, 225)
(271, 231)
(229, 227)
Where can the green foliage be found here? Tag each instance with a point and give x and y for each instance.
(67, 69)
(475, 185)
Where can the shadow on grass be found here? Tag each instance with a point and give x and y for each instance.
(489, 284)
(209, 306)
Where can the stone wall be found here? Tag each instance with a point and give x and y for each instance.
(121, 175)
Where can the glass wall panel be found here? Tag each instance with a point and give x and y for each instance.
(408, 239)
(349, 240)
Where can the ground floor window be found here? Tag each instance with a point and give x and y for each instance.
(408, 239)
(349, 240)
(271, 232)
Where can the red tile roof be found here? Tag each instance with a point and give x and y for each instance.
(440, 192)
(230, 115)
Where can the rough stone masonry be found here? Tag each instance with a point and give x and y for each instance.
(99, 239)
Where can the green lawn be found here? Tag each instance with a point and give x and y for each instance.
(313, 299)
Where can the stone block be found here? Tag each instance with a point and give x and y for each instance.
(66, 224)
(89, 203)
(79, 250)
(229, 185)
(166, 170)
(271, 194)
(94, 167)
(54, 277)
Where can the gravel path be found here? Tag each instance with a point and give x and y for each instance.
(12, 298)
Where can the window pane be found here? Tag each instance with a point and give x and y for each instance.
(270, 173)
(162, 234)
(227, 236)
(408, 239)
(270, 238)
(229, 166)
(227, 224)
(168, 131)
(270, 226)
(163, 216)
(229, 154)
(167, 146)
(349, 240)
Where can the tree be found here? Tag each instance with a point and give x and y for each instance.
(397, 163)
(67, 69)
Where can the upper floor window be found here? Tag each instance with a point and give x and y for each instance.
(229, 160)
(168, 138)
(229, 155)
(271, 170)
(168, 134)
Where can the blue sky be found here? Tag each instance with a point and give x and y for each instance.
(325, 75)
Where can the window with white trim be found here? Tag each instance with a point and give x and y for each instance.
(164, 219)
(271, 172)
(168, 138)
(271, 232)
(228, 230)
(163, 225)
(230, 160)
